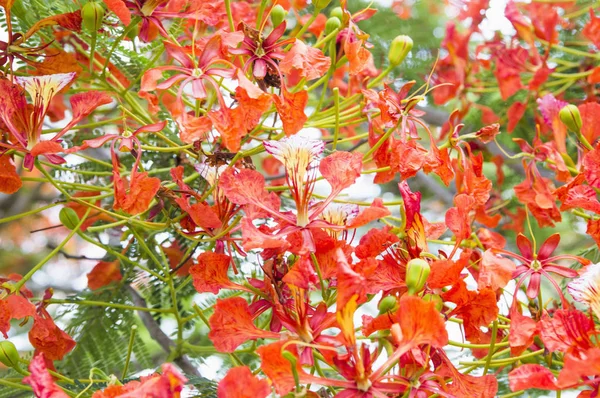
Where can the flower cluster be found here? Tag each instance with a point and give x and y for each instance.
(265, 189)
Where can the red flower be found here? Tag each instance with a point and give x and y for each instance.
(264, 53)
(48, 338)
(232, 324)
(25, 121)
(536, 265)
(193, 71)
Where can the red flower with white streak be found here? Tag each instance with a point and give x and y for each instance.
(25, 121)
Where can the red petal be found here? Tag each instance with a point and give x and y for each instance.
(104, 273)
(231, 325)
(374, 212)
(290, 107)
(341, 169)
(47, 338)
(210, 274)
(10, 182)
(530, 376)
(425, 324)
(120, 10)
(495, 271)
(241, 383)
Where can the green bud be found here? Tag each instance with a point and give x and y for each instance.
(92, 14)
(68, 217)
(133, 31)
(338, 13)
(320, 4)
(435, 298)
(417, 271)
(278, 14)
(9, 356)
(332, 24)
(291, 259)
(571, 117)
(399, 49)
(387, 304)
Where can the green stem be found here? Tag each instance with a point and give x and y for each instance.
(56, 250)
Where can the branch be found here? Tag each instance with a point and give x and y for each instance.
(159, 336)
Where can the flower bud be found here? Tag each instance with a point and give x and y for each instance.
(337, 12)
(320, 4)
(9, 356)
(417, 271)
(399, 49)
(387, 304)
(68, 217)
(92, 14)
(133, 31)
(436, 299)
(571, 117)
(332, 24)
(278, 14)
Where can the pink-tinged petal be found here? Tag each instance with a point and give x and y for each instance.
(170, 82)
(533, 288)
(198, 90)
(41, 381)
(275, 35)
(549, 108)
(260, 69)
(560, 270)
(548, 247)
(226, 73)
(98, 142)
(151, 128)
(341, 169)
(308, 62)
(520, 270)
(177, 53)
(525, 247)
(412, 202)
(211, 51)
(54, 159)
(529, 376)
